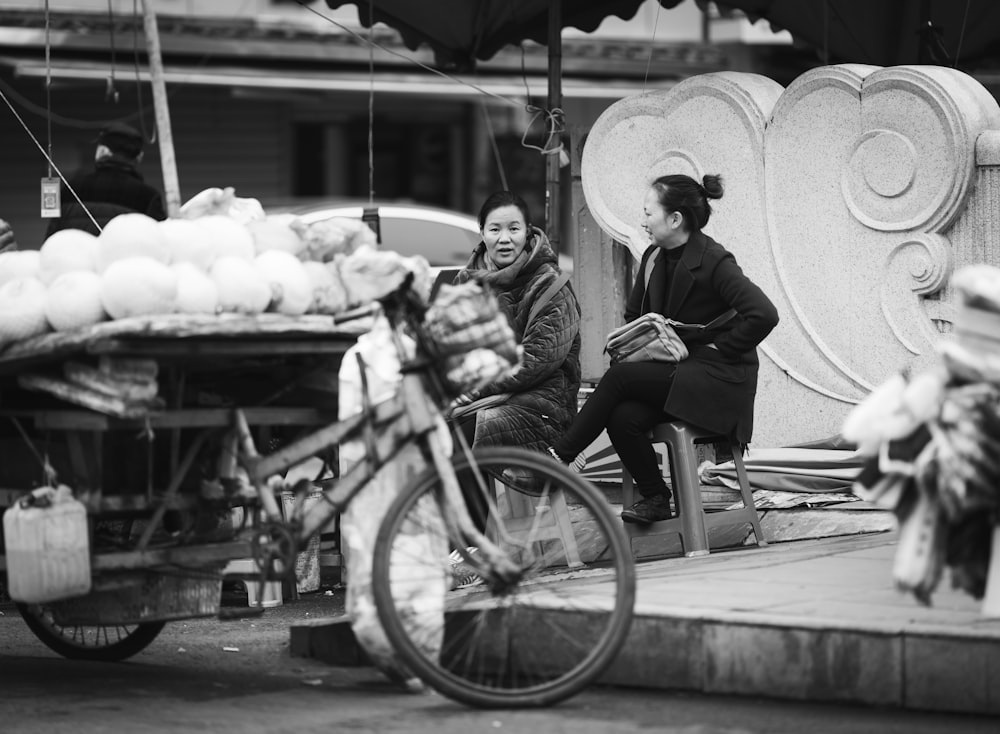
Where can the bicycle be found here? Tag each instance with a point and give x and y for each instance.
(499, 642)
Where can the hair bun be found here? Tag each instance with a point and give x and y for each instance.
(711, 185)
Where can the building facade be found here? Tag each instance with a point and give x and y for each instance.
(283, 100)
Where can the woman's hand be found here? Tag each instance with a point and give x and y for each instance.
(463, 399)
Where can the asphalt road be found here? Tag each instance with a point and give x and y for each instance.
(208, 675)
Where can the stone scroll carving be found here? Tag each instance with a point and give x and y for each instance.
(841, 194)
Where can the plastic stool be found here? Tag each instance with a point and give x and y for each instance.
(246, 570)
(691, 522)
(544, 519)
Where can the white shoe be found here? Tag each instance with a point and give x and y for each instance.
(461, 573)
(577, 465)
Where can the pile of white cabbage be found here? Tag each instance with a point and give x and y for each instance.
(224, 255)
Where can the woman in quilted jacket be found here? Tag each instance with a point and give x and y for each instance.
(694, 280)
(535, 405)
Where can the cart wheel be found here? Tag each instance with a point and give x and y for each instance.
(106, 643)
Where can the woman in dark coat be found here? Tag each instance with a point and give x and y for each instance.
(516, 262)
(693, 280)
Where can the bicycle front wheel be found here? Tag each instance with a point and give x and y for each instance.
(527, 641)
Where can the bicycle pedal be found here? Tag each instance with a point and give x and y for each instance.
(229, 613)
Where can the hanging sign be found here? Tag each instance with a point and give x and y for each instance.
(51, 206)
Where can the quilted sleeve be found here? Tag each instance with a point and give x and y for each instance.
(547, 341)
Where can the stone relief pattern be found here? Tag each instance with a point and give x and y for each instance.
(841, 191)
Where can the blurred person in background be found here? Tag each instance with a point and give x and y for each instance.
(113, 187)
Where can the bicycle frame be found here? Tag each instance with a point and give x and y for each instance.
(410, 417)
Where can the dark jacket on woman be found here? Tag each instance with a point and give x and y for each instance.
(713, 388)
(543, 392)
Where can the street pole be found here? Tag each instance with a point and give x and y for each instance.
(171, 187)
(552, 161)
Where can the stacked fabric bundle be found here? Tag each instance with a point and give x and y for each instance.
(931, 443)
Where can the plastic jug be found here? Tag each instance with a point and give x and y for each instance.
(47, 546)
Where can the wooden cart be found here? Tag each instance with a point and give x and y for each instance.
(135, 416)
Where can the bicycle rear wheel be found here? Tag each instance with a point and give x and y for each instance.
(531, 641)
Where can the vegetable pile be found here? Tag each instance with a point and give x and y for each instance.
(223, 255)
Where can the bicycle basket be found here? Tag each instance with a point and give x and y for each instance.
(472, 336)
(466, 317)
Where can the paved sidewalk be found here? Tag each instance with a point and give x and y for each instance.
(816, 620)
(812, 620)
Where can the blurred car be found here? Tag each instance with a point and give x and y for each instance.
(443, 236)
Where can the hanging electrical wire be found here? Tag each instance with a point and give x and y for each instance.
(652, 43)
(110, 91)
(555, 126)
(554, 119)
(48, 91)
(138, 80)
(45, 153)
(371, 105)
(961, 35)
(493, 145)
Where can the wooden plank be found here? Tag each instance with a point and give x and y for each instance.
(215, 348)
(66, 420)
(98, 504)
(222, 417)
(192, 555)
(70, 420)
(102, 382)
(88, 398)
(260, 327)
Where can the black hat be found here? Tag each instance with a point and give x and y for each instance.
(121, 138)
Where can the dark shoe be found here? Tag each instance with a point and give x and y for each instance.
(653, 508)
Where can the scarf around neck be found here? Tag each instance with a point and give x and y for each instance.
(482, 268)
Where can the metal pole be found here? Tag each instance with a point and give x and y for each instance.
(552, 167)
(171, 187)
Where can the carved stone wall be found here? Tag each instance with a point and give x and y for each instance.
(851, 196)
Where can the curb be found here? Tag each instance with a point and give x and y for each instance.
(813, 621)
(925, 671)
(921, 671)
